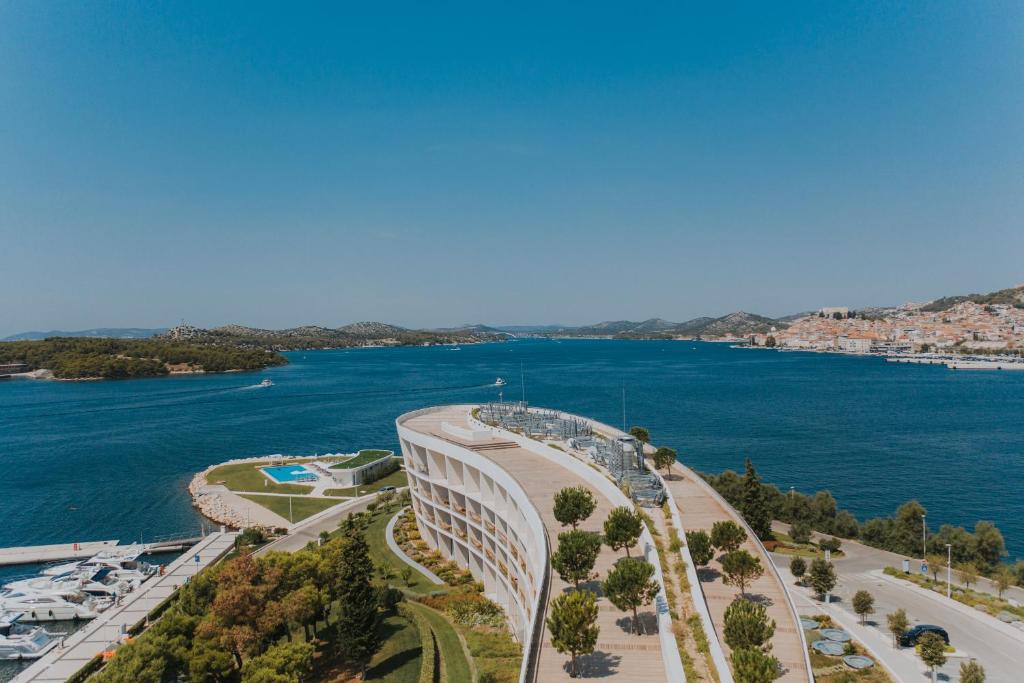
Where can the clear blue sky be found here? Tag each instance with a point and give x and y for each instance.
(434, 164)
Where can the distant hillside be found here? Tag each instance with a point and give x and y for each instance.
(1014, 296)
(111, 332)
(739, 324)
(317, 337)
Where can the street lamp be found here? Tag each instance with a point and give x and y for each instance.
(949, 567)
(924, 538)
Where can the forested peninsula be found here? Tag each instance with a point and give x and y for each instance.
(104, 358)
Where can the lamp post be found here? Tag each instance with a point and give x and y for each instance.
(949, 567)
(924, 538)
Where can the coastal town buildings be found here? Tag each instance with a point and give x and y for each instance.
(966, 327)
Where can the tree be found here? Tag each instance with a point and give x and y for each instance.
(863, 604)
(727, 535)
(622, 529)
(831, 544)
(406, 574)
(699, 544)
(747, 625)
(798, 567)
(800, 531)
(573, 625)
(1003, 577)
(740, 569)
(664, 458)
(287, 662)
(573, 504)
(754, 506)
(576, 555)
(988, 547)
(898, 624)
(750, 665)
(933, 651)
(972, 672)
(967, 573)
(822, 577)
(935, 564)
(357, 632)
(630, 585)
(640, 434)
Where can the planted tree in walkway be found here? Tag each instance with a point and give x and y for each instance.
(750, 665)
(933, 651)
(972, 672)
(574, 504)
(967, 573)
(747, 625)
(898, 624)
(573, 625)
(740, 569)
(699, 544)
(631, 585)
(798, 567)
(935, 565)
(622, 529)
(727, 535)
(664, 458)
(863, 604)
(754, 506)
(406, 574)
(640, 434)
(822, 577)
(576, 555)
(357, 633)
(831, 544)
(800, 531)
(1003, 577)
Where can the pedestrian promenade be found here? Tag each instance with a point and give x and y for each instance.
(32, 554)
(699, 508)
(81, 647)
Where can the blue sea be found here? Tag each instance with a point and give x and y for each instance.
(103, 460)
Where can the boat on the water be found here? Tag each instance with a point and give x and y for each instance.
(120, 558)
(102, 584)
(266, 383)
(20, 641)
(499, 382)
(40, 607)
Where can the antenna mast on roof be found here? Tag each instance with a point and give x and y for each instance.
(623, 406)
(522, 379)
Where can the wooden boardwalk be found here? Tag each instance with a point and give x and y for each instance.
(33, 554)
(81, 647)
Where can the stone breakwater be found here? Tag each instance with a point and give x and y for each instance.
(217, 503)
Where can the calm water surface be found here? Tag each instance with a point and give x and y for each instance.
(103, 460)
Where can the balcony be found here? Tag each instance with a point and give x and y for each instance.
(459, 508)
(503, 568)
(489, 526)
(513, 551)
(461, 534)
(475, 517)
(477, 544)
(489, 554)
(445, 526)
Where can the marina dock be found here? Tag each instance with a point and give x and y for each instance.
(53, 553)
(83, 646)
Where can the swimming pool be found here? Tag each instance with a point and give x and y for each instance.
(289, 473)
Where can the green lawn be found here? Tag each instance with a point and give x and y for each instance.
(454, 666)
(247, 477)
(399, 659)
(380, 552)
(300, 507)
(394, 479)
(361, 458)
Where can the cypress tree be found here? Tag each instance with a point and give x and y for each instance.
(358, 636)
(754, 506)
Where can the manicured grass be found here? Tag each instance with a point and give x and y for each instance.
(361, 458)
(380, 553)
(454, 665)
(992, 604)
(832, 670)
(394, 479)
(247, 477)
(399, 659)
(808, 550)
(300, 507)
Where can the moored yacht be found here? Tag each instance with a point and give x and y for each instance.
(102, 583)
(121, 558)
(40, 607)
(19, 641)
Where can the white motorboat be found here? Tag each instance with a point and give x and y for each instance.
(499, 382)
(41, 607)
(104, 583)
(266, 383)
(121, 558)
(19, 641)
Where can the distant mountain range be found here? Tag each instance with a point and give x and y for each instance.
(113, 332)
(738, 324)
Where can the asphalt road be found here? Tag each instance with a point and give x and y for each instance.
(975, 635)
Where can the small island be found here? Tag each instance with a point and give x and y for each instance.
(81, 358)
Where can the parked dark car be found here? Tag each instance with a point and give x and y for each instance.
(910, 638)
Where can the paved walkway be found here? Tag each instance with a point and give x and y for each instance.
(699, 508)
(618, 653)
(32, 554)
(81, 647)
(389, 536)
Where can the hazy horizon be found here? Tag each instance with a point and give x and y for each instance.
(244, 163)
